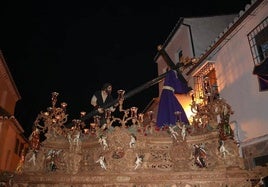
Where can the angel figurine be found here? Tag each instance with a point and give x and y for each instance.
(102, 162)
(223, 150)
(33, 157)
(132, 142)
(103, 142)
(173, 133)
(138, 161)
(183, 130)
(52, 156)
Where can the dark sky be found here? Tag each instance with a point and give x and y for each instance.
(73, 47)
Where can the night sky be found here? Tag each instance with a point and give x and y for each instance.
(73, 47)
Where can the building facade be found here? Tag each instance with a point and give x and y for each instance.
(231, 51)
(12, 141)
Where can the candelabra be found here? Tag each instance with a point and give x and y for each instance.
(52, 121)
(78, 124)
(95, 125)
(130, 114)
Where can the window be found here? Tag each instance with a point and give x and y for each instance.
(178, 55)
(21, 148)
(261, 160)
(258, 40)
(204, 79)
(17, 146)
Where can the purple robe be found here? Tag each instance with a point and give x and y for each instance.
(168, 103)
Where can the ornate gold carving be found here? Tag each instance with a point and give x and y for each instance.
(154, 159)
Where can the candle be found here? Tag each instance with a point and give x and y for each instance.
(133, 111)
(150, 114)
(140, 117)
(120, 94)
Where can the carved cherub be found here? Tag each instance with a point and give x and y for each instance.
(223, 150)
(102, 162)
(183, 129)
(133, 140)
(173, 133)
(138, 161)
(52, 157)
(33, 157)
(103, 142)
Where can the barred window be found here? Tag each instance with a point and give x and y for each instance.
(258, 40)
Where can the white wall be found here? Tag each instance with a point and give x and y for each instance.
(237, 84)
(206, 29)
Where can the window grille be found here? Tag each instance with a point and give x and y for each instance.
(258, 41)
